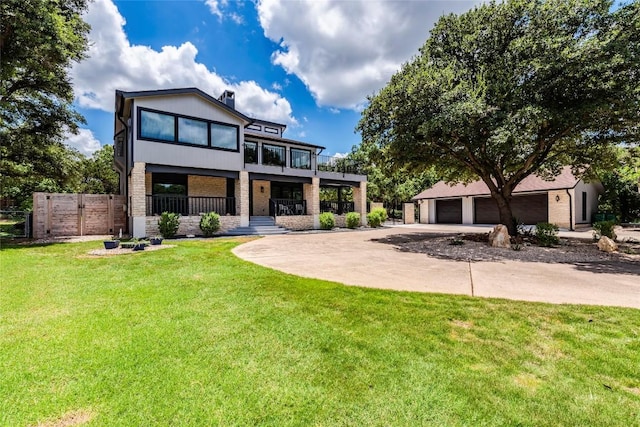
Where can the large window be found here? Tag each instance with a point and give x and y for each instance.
(177, 129)
(225, 137)
(157, 126)
(300, 159)
(250, 152)
(192, 131)
(273, 155)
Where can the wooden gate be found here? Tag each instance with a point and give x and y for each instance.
(78, 214)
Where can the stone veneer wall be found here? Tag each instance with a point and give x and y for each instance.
(191, 225)
(341, 220)
(206, 186)
(295, 222)
(559, 211)
(261, 198)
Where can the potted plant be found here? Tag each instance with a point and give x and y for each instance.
(111, 243)
(156, 240)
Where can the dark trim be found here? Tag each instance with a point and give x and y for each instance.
(336, 182)
(278, 178)
(267, 122)
(484, 195)
(153, 168)
(281, 140)
(570, 209)
(254, 126)
(274, 131)
(183, 91)
(176, 136)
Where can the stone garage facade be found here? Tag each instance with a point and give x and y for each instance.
(565, 201)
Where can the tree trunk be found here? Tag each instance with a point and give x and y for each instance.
(504, 208)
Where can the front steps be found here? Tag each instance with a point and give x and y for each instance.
(258, 226)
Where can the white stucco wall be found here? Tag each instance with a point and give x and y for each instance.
(592, 190)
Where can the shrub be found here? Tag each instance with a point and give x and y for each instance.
(168, 224)
(547, 234)
(353, 219)
(327, 221)
(604, 228)
(209, 223)
(377, 217)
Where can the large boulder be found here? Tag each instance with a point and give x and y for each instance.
(605, 244)
(499, 237)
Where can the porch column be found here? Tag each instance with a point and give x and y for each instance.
(424, 211)
(360, 201)
(313, 205)
(244, 199)
(138, 200)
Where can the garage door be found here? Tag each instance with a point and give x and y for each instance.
(449, 211)
(529, 209)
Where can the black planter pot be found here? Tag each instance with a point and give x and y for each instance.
(139, 247)
(155, 241)
(111, 244)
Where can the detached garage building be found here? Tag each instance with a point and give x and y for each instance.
(565, 201)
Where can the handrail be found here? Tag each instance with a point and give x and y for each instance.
(189, 205)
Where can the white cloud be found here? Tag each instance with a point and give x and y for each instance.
(334, 110)
(276, 86)
(85, 142)
(114, 63)
(215, 5)
(346, 50)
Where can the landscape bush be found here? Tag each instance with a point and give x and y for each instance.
(604, 228)
(327, 221)
(547, 234)
(209, 223)
(376, 217)
(353, 220)
(168, 224)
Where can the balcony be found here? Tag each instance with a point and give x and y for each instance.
(338, 208)
(186, 206)
(287, 207)
(299, 159)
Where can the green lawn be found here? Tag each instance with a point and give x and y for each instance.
(194, 336)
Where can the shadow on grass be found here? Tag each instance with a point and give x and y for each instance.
(582, 254)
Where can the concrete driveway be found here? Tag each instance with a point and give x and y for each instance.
(354, 258)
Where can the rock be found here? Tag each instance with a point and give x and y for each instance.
(605, 244)
(499, 237)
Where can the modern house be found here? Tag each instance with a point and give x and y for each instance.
(565, 201)
(183, 151)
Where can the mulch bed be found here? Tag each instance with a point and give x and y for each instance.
(122, 251)
(474, 247)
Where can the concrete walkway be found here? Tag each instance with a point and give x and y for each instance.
(354, 258)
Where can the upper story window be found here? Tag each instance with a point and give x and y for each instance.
(192, 131)
(177, 129)
(223, 136)
(157, 126)
(273, 155)
(250, 152)
(272, 130)
(300, 159)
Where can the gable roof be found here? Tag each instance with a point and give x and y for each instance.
(530, 184)
(183, 91)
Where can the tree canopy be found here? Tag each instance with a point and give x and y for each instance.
(39, 40)
(511, 89)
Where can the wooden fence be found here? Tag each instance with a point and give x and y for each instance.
(78, 214)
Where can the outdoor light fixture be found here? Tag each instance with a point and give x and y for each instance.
(261, 189)
(557, 198)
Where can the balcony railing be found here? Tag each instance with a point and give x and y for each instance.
(335, 207)
(286, 207)
(337, 164)
(186, 205)
(322, 163)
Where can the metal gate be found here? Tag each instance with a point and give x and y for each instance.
(15, 224)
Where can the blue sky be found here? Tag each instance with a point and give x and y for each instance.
(307, 64)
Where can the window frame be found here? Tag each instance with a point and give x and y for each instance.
(176, 133)
(308, 152)
(283, 163)
(256, 152)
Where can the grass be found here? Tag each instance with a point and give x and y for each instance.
(194, 336)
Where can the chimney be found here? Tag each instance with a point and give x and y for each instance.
(228, 98)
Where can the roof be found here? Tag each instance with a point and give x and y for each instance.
(530, 184)
(183, 91)
(250, 134)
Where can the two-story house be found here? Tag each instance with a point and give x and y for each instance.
(181, 150)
